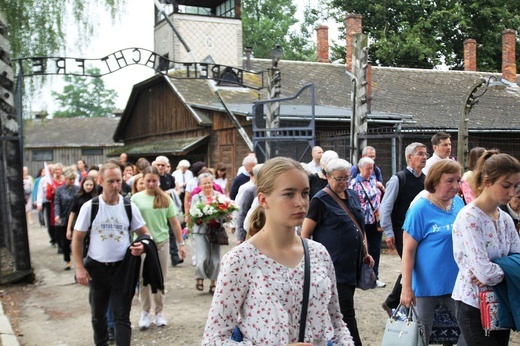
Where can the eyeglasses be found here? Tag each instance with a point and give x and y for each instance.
(342, 180)
(421, 154)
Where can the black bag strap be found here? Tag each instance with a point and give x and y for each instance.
(306, 289)
(401, 177)
(368, 198)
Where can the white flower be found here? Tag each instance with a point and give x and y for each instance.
(196, 212)
(208, 210)
(222, 199)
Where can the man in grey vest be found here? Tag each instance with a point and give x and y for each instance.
(401, 189)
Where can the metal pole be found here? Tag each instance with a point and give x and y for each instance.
(462, 139)
(353, 128)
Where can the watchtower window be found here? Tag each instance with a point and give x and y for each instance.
(212, 8)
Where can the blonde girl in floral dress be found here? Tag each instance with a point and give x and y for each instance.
(260, 285)
(481, 233)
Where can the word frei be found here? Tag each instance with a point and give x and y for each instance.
(36, 66)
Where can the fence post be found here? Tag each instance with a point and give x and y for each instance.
(15, 261)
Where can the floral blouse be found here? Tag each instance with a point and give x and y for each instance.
(263, 298)
(478, 239)
(360, 185)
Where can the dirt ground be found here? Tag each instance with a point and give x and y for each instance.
(55, 311)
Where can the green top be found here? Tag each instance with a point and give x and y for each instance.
(156, 219)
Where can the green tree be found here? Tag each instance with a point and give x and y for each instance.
(424, 33)
(266, 23)
(37, 28)
(85, 97)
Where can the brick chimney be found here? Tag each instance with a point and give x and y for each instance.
(470, 55)
(353, 25)
(322, 33)
(509, 55)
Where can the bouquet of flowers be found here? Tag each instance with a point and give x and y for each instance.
(215, 210)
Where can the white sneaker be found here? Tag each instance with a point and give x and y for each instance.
(160, 321)
(380, 283)
(144, 322)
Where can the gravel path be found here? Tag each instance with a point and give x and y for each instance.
(55, 311)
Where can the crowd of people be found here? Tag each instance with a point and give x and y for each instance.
(327, 213)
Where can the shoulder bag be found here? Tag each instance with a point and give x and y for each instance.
(488, 303)
(237, 334)
(404, 329)
(367, 278)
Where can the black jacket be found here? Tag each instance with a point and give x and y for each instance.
(127, 275)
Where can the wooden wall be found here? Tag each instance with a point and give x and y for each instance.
(226, 144)
(170, 115)
(67, 156)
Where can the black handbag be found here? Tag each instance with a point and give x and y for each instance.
(217, 235)
(367, 278)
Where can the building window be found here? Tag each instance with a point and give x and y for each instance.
(42, 155)
(92, 151)
(227, 9)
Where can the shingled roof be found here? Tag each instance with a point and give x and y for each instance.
(431, 99)
(436, 98)
(69, 132)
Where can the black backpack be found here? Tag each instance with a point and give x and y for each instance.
(93, 213)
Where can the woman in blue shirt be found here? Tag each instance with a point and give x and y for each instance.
(428, 267)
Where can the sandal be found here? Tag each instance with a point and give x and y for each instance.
(199, 285)
(212, 289)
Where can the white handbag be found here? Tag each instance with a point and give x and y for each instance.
(404, 329)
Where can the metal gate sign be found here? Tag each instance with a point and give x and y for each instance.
(228, 75)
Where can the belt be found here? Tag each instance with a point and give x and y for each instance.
(107, 264)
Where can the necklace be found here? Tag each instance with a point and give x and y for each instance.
(442, 206)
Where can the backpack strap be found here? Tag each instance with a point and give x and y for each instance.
(93, 213)
(128, 210)
(401, 176)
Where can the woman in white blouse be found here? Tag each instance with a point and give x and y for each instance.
(481, 233)
(260, 285)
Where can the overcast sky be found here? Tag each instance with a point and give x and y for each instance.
(134, 29)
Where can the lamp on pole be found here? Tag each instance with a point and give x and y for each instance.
(478, 89)
(274, 87)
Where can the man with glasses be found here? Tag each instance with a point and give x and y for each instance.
(401, 189)
(166, 180)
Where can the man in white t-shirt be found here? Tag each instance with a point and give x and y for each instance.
(109, 241)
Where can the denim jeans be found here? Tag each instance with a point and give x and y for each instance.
(100, 293)
(468, 319)
(110, 315)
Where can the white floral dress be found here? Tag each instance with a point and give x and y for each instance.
(264, 299)
(478, 239)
